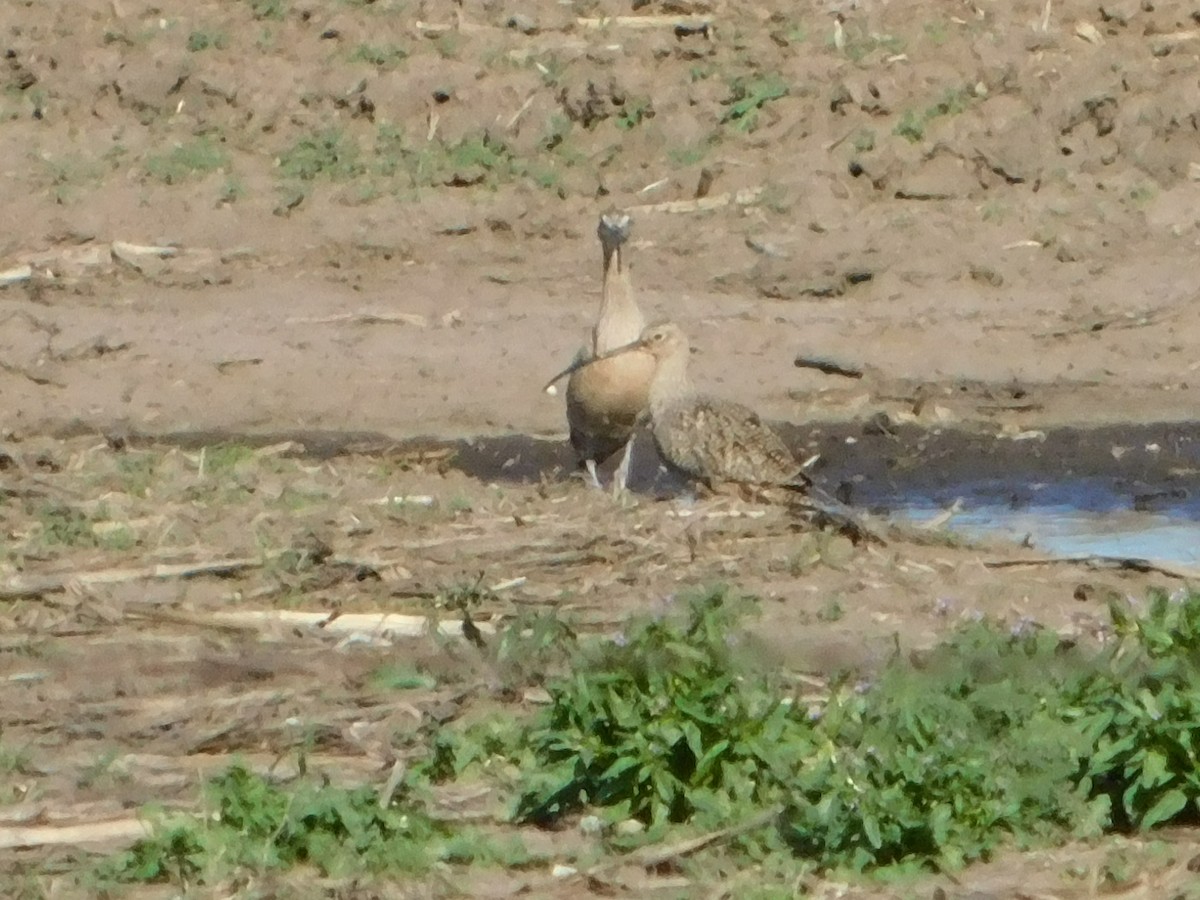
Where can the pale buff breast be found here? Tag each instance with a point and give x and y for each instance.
(608, 397)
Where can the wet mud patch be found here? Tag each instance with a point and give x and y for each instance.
(1129, 467)
(1143, 468)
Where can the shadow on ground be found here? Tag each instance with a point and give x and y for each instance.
(1153, 468)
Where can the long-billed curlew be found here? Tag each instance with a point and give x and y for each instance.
(713, 440)
(607, 399)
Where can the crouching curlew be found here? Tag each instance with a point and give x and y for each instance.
(606, 399)
(717, 441)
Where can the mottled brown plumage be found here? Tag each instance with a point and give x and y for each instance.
(719, 441)
(709, 438)
(607, 399)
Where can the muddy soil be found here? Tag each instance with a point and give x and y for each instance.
(369, 226)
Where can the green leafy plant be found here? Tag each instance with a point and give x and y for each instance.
(748, 96)
(910, 127)
(382, 56)
(258, 825)
(327, 154)
(953, 102)
(663, 724)
(65, 525)
(197, 157)
(269, 9)
(633, 113)
(948, 761)
(1143, 712)
(999, 735)
(207, 40)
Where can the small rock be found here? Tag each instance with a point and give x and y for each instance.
(591, 825)
(522, 23)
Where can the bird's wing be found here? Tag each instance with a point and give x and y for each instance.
(720, 440)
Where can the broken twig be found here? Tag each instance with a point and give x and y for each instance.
(395, 624)
(744, 197)
(690, 26)
(651, 857)
(828, 366)
(21, 587)
(1093, 561)
(363, 317)
(122, 831)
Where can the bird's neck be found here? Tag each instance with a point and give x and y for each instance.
(671, 383)
(620, 320)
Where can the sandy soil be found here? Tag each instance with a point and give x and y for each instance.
(375, 220)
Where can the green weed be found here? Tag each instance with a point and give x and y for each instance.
(70, 171)
(937, 32)
(258, 826)
(1001, 735)
(198, 157)
(993, 211)
(136, 472)
(633, 113)
(663, 725)
(953, 102)
(119, 539)
(863, 140)
(14, 761)
(232, 190)
(448, 45)
(221, 458)
(400, 678)
(327, 154)
(1143, 193)
(748, 96)
(690, 154)
(206, 39)
(382, 56)
(66, 526)
(275, 10)
(910, 127)
(998, 735)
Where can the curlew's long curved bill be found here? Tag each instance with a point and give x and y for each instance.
(587, 361)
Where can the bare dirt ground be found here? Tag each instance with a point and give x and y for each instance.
(376, 219)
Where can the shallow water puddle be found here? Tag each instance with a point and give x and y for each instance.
(1062, 531)
(1119, 492)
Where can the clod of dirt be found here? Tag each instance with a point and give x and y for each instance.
(522, 23)
(986, 275)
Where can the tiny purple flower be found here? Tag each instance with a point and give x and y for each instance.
(1023, 627)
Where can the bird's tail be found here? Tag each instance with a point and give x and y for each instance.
(829, 512)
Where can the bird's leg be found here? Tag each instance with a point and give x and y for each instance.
(621, 476)
(593, 478)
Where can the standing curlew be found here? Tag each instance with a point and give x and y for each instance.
(606, 400)
(713, 440)
(709, 438)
